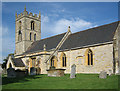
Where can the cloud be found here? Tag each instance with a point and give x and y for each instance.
(58, 10)
(76, 25)
(7, 43)
(44, 18)
(4, 31)
(61, 26)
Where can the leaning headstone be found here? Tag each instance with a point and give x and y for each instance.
(73, 71)
(32, 71)
(103, 74)
(11, 73)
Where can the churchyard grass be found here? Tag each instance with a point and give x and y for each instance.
(82, 81)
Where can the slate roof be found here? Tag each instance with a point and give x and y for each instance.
(50, 43)
(18, 62)
(97, 35)
(101, 34)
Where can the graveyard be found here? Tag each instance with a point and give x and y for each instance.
(81, 81)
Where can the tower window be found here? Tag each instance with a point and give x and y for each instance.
(30, 36)
(34, 37)
(19, 36)
(20, 23)
(32, 25)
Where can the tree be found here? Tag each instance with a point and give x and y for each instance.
(5, 61)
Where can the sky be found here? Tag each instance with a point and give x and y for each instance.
(55, 18)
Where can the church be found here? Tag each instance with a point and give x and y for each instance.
(92, 50)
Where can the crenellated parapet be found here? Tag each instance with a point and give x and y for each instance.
(30, 15)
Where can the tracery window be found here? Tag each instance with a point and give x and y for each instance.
(89, 57)
(64, 60)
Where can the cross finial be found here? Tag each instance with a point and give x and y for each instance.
(68, 28)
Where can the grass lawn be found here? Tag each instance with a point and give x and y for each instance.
(82, 81)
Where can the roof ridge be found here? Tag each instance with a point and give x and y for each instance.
(95, 27)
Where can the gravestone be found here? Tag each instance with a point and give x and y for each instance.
(73, 71)
(4, 71)
(27, 72)
(109, 72)
(103, 74)
(38, 71)
(11, 73)
(32, 71)
(20, 73)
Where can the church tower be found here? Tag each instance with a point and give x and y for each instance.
(27, 30)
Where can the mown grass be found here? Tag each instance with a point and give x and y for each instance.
(82, 81)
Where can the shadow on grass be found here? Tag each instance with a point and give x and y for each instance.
(6, 80)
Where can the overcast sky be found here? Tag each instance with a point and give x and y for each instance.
(56, 17)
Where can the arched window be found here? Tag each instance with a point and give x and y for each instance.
(63, 60)
(34, 37)
(30, 36)
(89, 57)
(20, 24)
(19, 36)
(52, 61)
(32, 25)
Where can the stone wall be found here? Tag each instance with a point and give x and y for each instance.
(102, 59)
(116, 42)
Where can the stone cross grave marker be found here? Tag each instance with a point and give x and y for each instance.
(73, 71)
(103, 74)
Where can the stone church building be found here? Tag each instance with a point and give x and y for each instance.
(91, 50)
